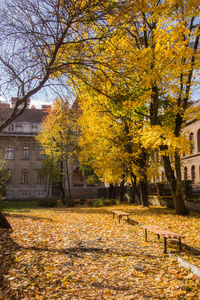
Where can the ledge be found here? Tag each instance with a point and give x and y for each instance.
(186, 264)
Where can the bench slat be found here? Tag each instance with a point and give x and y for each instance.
(165, 233)
(120, 214)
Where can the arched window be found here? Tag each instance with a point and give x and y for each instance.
(191, 139)
(25, 152)
(24, 178)
(9, 172)
(185, 173)
(11, 127)
(198, 140)
(77, 178)
(9, 152)
(193, 174)
(163, 176)
(40, 155)
(199, 173)
(40, 177)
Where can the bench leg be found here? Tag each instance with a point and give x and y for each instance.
(145, 235)
(113, 215)
(119, 218)
(165, 244)
(180, 244)
(128, 219)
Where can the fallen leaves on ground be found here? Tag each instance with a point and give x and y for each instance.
(83, 253)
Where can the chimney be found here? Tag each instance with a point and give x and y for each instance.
(14, 100)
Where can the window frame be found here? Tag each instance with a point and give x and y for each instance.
(24, 176)
(40, 156)
(9, 172)
(25, 153)
(9, 152)
(193, 174)
(185, 173)
(40, 177)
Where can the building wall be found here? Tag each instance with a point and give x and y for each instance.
(21, 133)
(192, 161)
(18, 189)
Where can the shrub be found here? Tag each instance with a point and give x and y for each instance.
(82, 201)
(69, 202)
(47, 202)
(98, 202)
(4, 179)
(90, 202)
(108, 202)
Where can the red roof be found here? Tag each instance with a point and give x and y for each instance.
(29, 115)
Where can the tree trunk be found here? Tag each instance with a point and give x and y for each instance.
(111, 192)
(68, 181)
(175, 184)
(61, 181)
(144, 193)
(122, 191)
(179, 204)
(4, 222)
(135, 195)
(143, 181)
(49, 186)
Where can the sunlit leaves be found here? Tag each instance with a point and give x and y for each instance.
(41, 259)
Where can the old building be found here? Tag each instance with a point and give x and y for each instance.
(24, 158)
(22, 153)
(191, 161)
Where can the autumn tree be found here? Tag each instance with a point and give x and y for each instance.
(4, 179)
(59, 138)
(165, 55)
(110, 141)
(51, 171)
(35, 35)
(154, 45)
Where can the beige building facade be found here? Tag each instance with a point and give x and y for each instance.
(191, 162)
(23, 155)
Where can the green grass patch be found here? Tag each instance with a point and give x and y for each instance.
(20, 205)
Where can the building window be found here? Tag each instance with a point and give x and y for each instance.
(198, 140)
(199, 173)
(77, 178)
(185, 173)
(191, 139)
(40, 194)
(9, 172)
(24, 178)
(9, 152)
(40, 155)
(40, 177)
(26, 128)
(11, 127)
(193, 174)
(25, 152)
(24, 194)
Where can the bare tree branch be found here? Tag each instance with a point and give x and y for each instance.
(40, 39)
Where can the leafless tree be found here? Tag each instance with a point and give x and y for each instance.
(43, 40)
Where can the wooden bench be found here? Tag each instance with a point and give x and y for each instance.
(165, 233)
(120, 214)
